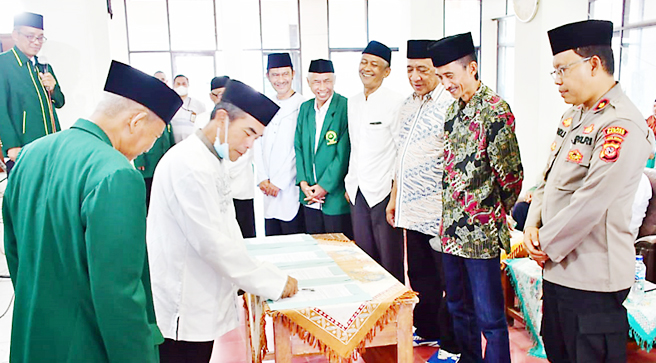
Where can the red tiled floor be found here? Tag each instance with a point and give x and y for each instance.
(231, 348)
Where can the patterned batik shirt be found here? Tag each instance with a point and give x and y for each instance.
(482, 176)
(419, 161)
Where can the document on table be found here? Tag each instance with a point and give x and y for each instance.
(317, 275)
(294, 258)
(285, 241)
(322, 295)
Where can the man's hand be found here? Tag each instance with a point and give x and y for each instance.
(390, 211)
(532, 244)
(268, 188)
(48, 81)
(315, 194)
(347, 197)
(13, 153)
(291, 288)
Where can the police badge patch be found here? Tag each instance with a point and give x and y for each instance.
(613, 139)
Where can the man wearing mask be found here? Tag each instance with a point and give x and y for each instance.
(482, 179)
(578, 225)
(80, 269)
(275, 157)
(373, 129)
(242, 175)
(29, 91)
(322, 152)
(147, 161)
(416, 201)
(183, 123)
(197, 253)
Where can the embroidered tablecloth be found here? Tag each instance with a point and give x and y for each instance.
(339, 331)
(526, 276)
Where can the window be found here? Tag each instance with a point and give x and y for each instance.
(197, 38)
(633, 46)
(462, 16)
(506, 58)
(386, 21)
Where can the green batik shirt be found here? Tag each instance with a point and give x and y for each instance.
(27, 112)
(482, 176)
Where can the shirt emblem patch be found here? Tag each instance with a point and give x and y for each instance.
(567, 122)
(613, 140)
(331, 138)
(588, 129)
(575, 156)
(553, 146)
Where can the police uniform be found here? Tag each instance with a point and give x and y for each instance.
(583, 210)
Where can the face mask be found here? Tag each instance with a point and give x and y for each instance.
(223, 149)
(181, 90)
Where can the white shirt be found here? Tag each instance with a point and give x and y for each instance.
(373, 131)
(275, 159)
(183, 122)
(195, 247)
(242, 176)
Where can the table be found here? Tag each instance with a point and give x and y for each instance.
(338, 331)
(526, 278)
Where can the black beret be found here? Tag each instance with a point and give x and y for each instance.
(379, 49)
(219, 82)
(277, 60)
(321, 66)
(418, 49)
(580, 34)
(149, 91)
(250, 101)
(449, 49)
(29, 19)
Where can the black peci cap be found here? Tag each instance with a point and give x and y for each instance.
(219, 82)
(149, 91)
(580, 34)
(277, 60)
(418, 49)
(29, 19)
(449, 49)
(250, 101)
(321, 66)
(379, 49)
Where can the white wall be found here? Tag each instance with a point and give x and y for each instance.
(78, 48)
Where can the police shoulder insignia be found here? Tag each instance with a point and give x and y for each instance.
(553, 146)
(575, 156)
(613, 139)
(601, 105)
(567, 122)
(588, 129)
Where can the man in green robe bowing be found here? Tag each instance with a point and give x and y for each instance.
(75, 232)
(29, 91)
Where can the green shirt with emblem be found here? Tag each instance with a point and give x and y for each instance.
(75, 241)
(25, 109)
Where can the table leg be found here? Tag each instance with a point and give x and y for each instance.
(283, 342)
(404, 334)
(247, 316)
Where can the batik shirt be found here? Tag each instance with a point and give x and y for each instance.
(482, 176)
(419, 161)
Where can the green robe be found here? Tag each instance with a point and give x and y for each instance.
(332, 156)
(75, 238)
(147, 161)
(24, 105)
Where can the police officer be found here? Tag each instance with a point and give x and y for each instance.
(578, 222)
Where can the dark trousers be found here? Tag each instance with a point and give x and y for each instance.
(10, 165)
(583, 326)
(475, 299)
(149, 187)
(376, 237)
(177, 351)
(276, 227)
(245, 217)
(431, 315)
(316, 222)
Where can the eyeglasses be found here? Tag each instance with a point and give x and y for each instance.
(560, 71)
(41, 39)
